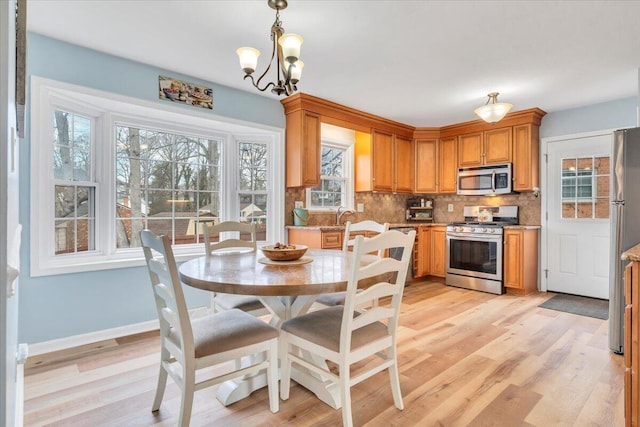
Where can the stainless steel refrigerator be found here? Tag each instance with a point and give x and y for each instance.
(625, 223)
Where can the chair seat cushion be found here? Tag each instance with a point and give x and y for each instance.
(227, 330)
(323, 327)
(224, 302)
(332, 299)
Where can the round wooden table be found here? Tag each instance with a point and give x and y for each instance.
(286, 289)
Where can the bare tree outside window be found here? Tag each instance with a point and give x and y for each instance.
(73, 183)
(252, 185)
(331, 191)
(169, 183)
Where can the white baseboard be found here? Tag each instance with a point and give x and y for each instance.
(105, 334)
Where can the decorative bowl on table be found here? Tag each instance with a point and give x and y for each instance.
(282, 252)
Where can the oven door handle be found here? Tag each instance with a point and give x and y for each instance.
(463, 236)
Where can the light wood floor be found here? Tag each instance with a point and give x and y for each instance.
(466, 359)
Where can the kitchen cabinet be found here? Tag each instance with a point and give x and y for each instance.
(526, 157)
(426, 166)
(484, 148)
(382, 178)
(383, 162)
(431, 252)
(302, 149)
(424, 251)
(403, 164)
(632, 341)
(315, 238)
(447, 165)
(438, 257)
(520, 258)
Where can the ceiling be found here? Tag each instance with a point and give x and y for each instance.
(423, 63)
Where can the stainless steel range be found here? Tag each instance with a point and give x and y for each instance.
(474, 248)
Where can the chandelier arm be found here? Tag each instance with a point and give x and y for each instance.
(255, 84)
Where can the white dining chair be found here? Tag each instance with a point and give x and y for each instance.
(188, 346)
(367, 226)
(344, 335)
(219, 247)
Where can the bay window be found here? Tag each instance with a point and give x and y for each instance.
(119, 165)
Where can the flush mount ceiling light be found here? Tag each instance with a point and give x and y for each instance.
(493, 111)
(286, 50)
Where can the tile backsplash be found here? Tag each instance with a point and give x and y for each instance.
(386, 207)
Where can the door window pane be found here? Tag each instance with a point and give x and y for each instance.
(585, 187)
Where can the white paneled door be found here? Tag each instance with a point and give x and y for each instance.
(577, 215)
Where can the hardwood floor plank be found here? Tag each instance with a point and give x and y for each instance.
(465, 358)
(509, 408)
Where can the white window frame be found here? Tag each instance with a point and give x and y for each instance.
(333, 136)
(108, 109)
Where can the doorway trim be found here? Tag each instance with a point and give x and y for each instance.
(544, 182)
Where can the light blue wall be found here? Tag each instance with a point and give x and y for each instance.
(621, 113)
(65, 305)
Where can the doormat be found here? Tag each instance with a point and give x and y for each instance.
(583, 306)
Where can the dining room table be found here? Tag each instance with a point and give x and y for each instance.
(286, 288)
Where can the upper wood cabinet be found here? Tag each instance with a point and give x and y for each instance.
(526, 157)
(484, 148)
(302, 149)
(426, 166)
(448, 165)
(470, 149)
(383, 162)
(387, 159)
(403, 165)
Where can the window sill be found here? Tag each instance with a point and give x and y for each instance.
(90, 263)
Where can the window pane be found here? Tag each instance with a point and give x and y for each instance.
(585, 210)
(332, 189)
(252, 166)
(253, 184)
(72, 146)
(166, 180)
(568, 209)
(332, 162)
(601, 165)
(74, 219)
(602, 208)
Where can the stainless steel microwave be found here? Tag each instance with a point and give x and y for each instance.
(485, 180)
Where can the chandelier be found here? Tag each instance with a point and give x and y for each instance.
(493, 111)
(286, 50)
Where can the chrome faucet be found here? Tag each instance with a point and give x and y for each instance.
(341, 212)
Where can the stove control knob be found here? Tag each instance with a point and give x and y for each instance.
(458, 229)
(492, 230)
(484, 230)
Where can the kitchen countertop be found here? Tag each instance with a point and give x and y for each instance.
(341, 227)
(632, 254)
(522, 227)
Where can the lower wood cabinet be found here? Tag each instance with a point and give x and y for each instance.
(431, 251)
(520, 268)
(632, 345)
(315, 238)
(423, 238)
(438, 250)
